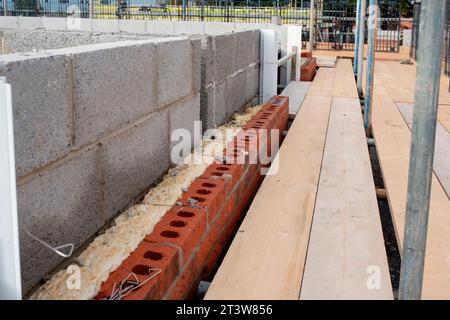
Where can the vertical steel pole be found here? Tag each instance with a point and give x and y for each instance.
(361, 31)
(422, 148)
(10, 279)
(311, 26)
(372, 34)
(355, 60)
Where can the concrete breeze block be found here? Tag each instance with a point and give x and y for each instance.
(221, 96)
(224, 56)
(112, 86)
(244, 49)
(34, 40)
(41, 108)
(236, 88)
(183, 115)
(59, 206)
(175, 67)
(133, 160)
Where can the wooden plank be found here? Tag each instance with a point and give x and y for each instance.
(267, 256)
(399, 91)
(393, 141)
(441, 163)
(399, 81)
(346, 241)
(323, 83)
(406, 74)
(344, 84)
(296, 91)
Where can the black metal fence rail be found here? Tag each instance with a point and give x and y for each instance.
(334, 21)
(335, 27)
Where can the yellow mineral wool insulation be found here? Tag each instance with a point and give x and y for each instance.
(107, 251)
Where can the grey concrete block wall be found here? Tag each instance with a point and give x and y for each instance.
(109, 91)
(21, 41)
(236, 91)
(186, 112)
(244, 49)
(224, 56)
(93, 133)
(230, 75)
(221, 97)
(174, 71)
(102, 137)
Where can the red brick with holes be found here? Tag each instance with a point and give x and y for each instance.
(183, 234)
(156, 267)
(188, 243)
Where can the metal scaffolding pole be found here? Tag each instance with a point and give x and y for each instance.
(361, 32)
(422, 148)
(372, 35)
(355, 61)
